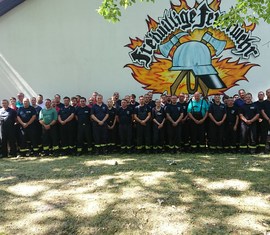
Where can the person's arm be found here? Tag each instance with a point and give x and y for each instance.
(265, 116)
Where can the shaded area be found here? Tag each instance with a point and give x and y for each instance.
(199, 194)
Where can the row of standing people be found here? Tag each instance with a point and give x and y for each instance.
(146, 126)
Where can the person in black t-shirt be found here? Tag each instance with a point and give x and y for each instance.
(217, 115)
(266, 124)
(84, 133)
(7, 129)
(142, 116)
(249, 115)
(65, 119)
(231, 124)
(125, 119)
(112, 126)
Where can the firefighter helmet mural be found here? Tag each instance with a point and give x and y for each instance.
(185, 52)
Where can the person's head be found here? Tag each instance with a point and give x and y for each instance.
(57, 98)
(261, 96)
(163, 99)
(150, 95)
(5, 103)
(20, 96)
(66, 101)
(141, 100)
(235, 97)
(186, 97)
(12, 101)
(242, 93)
(53, 103)
(99, 99)
(174, 99)
(217, 99)
(39, 99)
(124, 103)
(116, 95)
(127, 98)
(74, 101)
(146, 98)
(132, 98)
(83, 101)
(48, 104)
(268, 93)
(169, 98)
(91, 100)
(197, 96)
(94, 95)
(78, 97)
(26, 102)
(158, 103)
(33, 101)
(110, 103)
(225, 98)
(248, 98)
(181, 97)
(230, 101)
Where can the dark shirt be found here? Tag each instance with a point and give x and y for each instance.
(83, 114)
(99, 111)
(125, 115)
(7, 118)
(232, 113)
(26, 113)
(217, 110)
(266, 107)
(142, 111)
(65, 112)
(249, 111)
(174, 110)
(159, 115)
(112, 114)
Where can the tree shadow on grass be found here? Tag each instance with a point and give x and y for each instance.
(160, 194)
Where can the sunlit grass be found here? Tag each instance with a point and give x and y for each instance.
(136, 194)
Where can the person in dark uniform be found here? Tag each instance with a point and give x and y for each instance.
(142, 116)
(125, 119)
(174, 116)
(48, 119)
(84, 127)
(184, 122)
(266, 124)
(249, 114)
(8, 132)
(159, 117)
(112, 126)
(36, 123)
(260, 122)
(197, 112)
(26, 118)
(231, 124)
(99, 115)
(217, 115)
(65, 119)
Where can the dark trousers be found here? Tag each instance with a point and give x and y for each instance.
(174, 135)
(197, 134)
(50, 139)
(8, 138)
(158, 136)
(215, 135)
(248, 135)
(125, 133)
(100, 134)
(143, 136)
(67, 136)
(84, 134)
(230, 136)
(28, 134)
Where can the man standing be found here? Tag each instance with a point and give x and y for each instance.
(174, 114)
(7, 126)
(217, 115)
(266, 124)
(84, 132)
(26, 118)
(65, 119)
(48, 119)
(142, 115)
(99, 115)
(197, 112)
(249, 115)
(260, 122)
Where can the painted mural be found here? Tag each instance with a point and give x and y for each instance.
(183, 51)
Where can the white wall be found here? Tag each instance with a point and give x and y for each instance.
(64, 46)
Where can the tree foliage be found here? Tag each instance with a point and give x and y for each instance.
(242, 11)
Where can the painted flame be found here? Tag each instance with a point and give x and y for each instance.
(159, 78)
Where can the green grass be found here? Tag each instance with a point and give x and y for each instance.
(140, 194)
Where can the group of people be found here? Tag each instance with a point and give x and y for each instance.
(171, 123)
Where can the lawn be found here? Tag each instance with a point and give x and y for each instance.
(136, 194)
